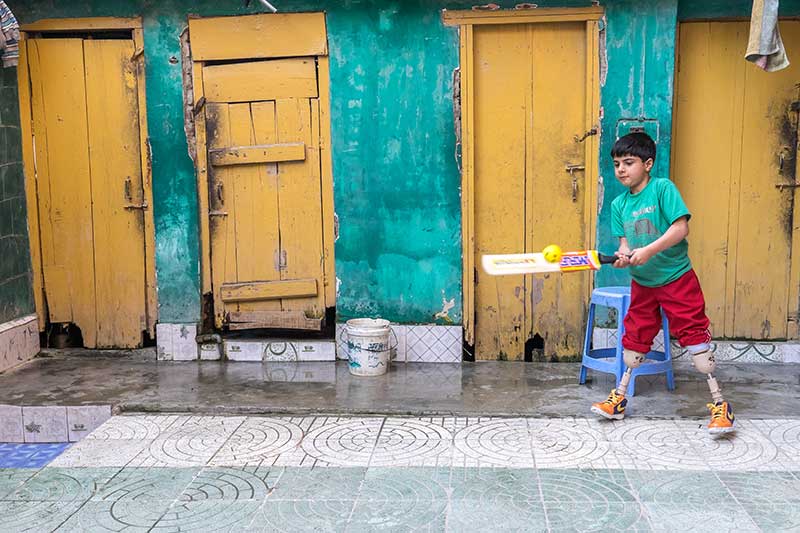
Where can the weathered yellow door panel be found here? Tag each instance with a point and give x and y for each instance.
(733, 127)
(269, 290)
(64, 185)
(117, 192)
(265, 153)
(84, 98)
(530, 102)
(500, 185)
(258, 36)
(555, 305)
(261, 80)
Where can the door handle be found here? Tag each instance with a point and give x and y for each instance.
(220, 195)
(571, 169)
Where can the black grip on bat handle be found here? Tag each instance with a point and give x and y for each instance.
(607, 259)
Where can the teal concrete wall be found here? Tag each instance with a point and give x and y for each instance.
(16, 296)
(396, 185)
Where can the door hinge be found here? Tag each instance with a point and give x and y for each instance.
(782, 186)
(793, 317)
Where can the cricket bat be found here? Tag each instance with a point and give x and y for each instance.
(535, 263)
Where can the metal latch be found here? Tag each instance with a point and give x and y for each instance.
(142, 206)
(217, 213)
(782, 186)
(571, 169)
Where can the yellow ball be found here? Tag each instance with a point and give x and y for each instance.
(552, 253)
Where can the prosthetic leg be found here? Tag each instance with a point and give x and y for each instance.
(613, 407)
(722, 418)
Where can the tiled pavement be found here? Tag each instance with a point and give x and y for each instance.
(188, 473)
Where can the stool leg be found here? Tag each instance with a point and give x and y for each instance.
(667, 351)
(587, 342)
(670, 381)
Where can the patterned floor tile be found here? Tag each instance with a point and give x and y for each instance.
(287, 516)
(18, 516)
(764, 489)
(139, 427)
(13, 478)
(259, 441)
(400, 515)
(500, 514)
(413, 442)
(569, 443)
(394, 484)
(494, 485)
(210, 515)
(318, 484)
(672, 487)
(600, 516)
(774, 517)
(242, 483)
(716, 516)
(785, 434)
(63, 484)
(600, 487)
(147, 484)
(746, 449)
(494, 442)
(29, 455)
(101, 453)
(121, 515)
(655, 445)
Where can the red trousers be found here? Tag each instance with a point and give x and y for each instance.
(682, 302)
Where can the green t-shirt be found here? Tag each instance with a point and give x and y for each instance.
(644, 217)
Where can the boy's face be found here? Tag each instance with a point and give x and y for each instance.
(632, 172)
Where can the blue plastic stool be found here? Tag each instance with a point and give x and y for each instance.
(610, 360)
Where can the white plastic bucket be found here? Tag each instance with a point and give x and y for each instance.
(368, 349)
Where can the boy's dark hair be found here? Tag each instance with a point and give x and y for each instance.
(639, 145)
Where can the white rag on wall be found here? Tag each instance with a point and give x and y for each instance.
(765, 46)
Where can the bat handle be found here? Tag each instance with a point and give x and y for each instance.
(607, 259)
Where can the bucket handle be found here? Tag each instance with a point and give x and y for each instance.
(391, 329)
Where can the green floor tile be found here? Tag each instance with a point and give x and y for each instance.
(764, 488)
(303, 515)
(500, 514)
(401, 515)
(495, 484)
(775, 517)
(405, 484)
(297, 483)
(211, 515)
(712, 516)
(235, 483)
(661, 486)
(585, 486)
(147, 484)
(13, 478)
(596, 516)
(120, 515)
(63, 484)
(16, 516)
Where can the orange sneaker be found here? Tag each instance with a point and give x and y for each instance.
(721, 418)
(613, 408)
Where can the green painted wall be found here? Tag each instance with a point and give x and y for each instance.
(16, 297)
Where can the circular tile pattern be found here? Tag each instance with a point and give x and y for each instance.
(660, 444)
(411, 442)
(258, 439)
(786, 435)
(496, 442)
(216, 515)
(560, 443)
(228, 484)
(132, 427)
(345, 443)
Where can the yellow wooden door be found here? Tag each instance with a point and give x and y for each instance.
(84, 98)
(265, 193)
(530, 99)
(735, 140)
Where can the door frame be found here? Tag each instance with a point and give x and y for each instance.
(283, 29)
(466, 20)
(85, 25)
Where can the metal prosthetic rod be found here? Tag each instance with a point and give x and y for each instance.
(622, 388)
(632, 360)
(705, 362)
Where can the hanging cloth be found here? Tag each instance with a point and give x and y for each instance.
(9, 36)
(765, 46)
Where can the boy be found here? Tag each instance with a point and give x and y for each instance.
(652, 223)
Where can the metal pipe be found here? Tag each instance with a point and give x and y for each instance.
(269, 6)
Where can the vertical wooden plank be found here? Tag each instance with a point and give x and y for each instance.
(299, 200)
(765, 229)
(222, 218)
(559, 60)
(468, 182)
(62, 156)
(29, 168)
(202, 178)
(256, 191)
(500, 86)
(592, 142)
(706, 136)
(115, 169)
(326, 163)
(151, 297)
